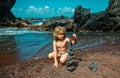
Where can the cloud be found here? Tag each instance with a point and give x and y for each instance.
(33, 9)
(14, 9)
(68, 9)
(47, 11)
(47, 7)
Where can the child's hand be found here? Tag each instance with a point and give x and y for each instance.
(56, 65)
(74, 36)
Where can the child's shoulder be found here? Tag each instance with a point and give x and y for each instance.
(54, 41)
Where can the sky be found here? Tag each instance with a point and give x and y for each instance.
(51, 8)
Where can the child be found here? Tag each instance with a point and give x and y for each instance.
(60, 45)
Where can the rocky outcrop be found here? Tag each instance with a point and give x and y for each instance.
(5, 7)
(15, 23)
(56, 21)
(108, 20)
(114, 6)
(81, 15)
(6, 16)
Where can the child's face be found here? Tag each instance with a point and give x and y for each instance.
(61, 35)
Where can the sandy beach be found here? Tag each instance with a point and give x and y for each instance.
(106, 55)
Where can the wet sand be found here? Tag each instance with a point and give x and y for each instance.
(8, 58)
(107, 55)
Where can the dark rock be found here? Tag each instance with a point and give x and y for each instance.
(59, 21)
(94, 66)
(114, 6)
(81, 15)
(71, 62)
(5, 7)
(108, 20)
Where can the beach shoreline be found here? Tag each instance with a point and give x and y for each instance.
(107, 55)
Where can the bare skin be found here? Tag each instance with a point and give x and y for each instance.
(60, 47)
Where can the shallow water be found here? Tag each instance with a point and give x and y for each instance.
(84, 41)
(36, 44)
(26, 42)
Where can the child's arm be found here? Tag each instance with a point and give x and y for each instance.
(55, 56)
(74, 37)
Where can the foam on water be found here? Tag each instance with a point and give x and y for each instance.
(16, 31)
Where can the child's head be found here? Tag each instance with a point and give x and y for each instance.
(59, 33)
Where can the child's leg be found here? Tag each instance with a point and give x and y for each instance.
(51, 55)
(63, 58)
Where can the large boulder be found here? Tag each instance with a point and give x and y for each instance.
(114, 6)
(108, 20)
(81, 15)
(59, 21)
(5, 7)
(6, 16)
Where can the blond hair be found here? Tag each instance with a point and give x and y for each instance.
(59, 30)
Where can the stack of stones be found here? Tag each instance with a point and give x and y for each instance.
(72, 61)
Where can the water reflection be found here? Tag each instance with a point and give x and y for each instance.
(7, 43)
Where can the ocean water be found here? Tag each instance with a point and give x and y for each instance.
(36, 44)
(26, 42)
(38, 22)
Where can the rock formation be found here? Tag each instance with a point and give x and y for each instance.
(108, 20)
(81, 15)
(6, 16)
(61, 20)
(5, 7)
(114, 6)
